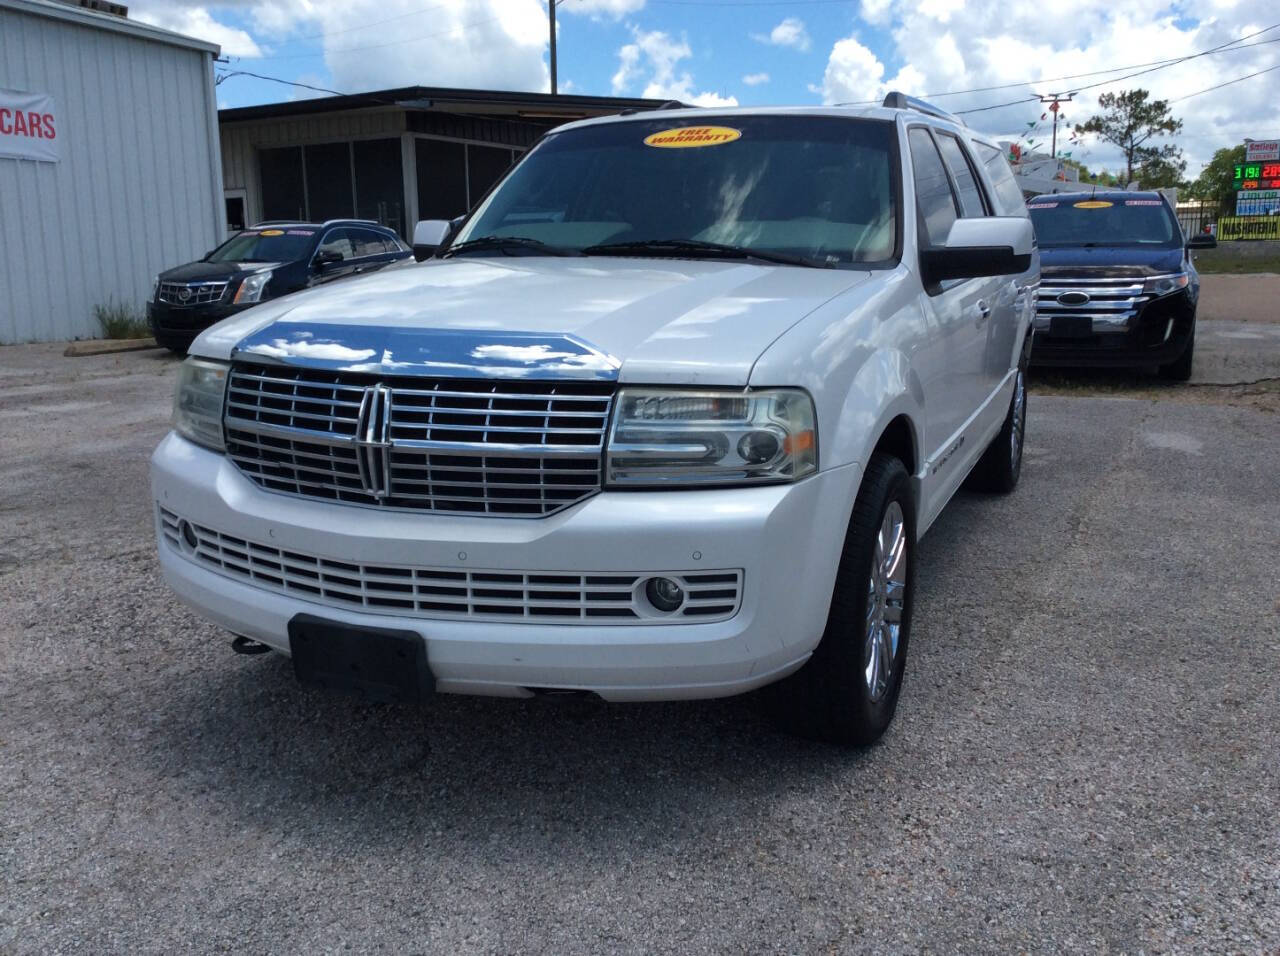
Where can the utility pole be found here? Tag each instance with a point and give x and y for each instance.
(551, 13)
(1053, 99)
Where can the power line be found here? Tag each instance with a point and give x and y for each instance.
(1238, 79)
(1069, 76)
(1128, 76)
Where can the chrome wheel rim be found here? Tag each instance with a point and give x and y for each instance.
(1019, 416)
(886, 598)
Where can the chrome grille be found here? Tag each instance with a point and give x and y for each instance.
(445, 445)
(1110, 307)
(197, 293)
(565, 597)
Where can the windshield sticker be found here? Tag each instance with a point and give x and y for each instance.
(1142, 202)
(1044, 205)
(1093, 204)
(688, 137)
(299, 232)
(272, 232)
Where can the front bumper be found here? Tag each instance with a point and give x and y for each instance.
(1156, 334)
(179, 325)
(785, 540)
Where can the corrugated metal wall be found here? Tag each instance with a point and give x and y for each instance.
(139, 186)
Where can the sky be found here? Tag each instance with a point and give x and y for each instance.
(766, 52)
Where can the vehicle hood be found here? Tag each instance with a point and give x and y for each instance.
(201, 270)
(1108, 261)
(637, 320)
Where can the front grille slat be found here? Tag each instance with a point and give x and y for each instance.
(568, 597)
(497, 448)
(1112, 302)
(197, 293)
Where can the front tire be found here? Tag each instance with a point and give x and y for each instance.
(847, 692)
(1179, 370)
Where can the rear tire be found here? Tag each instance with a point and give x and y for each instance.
(1000, 466)
(847, 692)
(1179, 370)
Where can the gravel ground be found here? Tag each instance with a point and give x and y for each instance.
(1085, 756)
(1240, 298)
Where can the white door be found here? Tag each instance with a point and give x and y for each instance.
(958, 313)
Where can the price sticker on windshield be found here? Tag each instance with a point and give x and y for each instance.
(692, 137)
(1093, 204)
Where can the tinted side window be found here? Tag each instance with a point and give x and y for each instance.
(971, 206)
(936, 202)
(1008, 197)
(367, 243)
(338, 240)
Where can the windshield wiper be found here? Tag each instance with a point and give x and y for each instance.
(504, 243)
(693, 248)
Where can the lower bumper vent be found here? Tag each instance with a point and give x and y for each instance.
(566, 597)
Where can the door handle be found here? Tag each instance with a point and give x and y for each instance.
(984, 311)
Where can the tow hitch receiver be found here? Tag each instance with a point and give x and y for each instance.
(376, 663)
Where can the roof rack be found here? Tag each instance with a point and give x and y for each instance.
(304, 222)
(900, 101)
(667, 105)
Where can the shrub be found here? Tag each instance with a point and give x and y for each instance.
(120, 321)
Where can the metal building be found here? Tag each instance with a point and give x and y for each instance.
(109, 163)
(395, 156)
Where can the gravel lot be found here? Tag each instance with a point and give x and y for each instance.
(1085, 757)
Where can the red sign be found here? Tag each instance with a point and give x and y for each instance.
(29, 127)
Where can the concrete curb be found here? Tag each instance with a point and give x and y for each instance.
(106, 346)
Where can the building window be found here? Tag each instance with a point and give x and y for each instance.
(442, 179)
(329, 181)
(284, 194)
(485, 166)
(379, 182)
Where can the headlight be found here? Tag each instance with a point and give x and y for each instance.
(251, 288)
(155, 287)
(197, 404)
(662, 437)
(1163, 285)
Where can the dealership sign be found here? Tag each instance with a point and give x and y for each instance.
(1260, 151)
(29, 126)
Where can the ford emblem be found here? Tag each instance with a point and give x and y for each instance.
(1073, 298)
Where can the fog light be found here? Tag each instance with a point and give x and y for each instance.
(758, 447)
(664, 594)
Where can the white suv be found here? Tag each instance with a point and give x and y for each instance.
(664, 418)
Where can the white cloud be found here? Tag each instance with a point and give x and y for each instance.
(789, 33)
(935, 49)
(494, 44)
(612, 8)
(196, 21)
(657, 54)
(756, 79)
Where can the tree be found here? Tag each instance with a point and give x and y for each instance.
(1160, 173)
(1214, 182)
(1131, 121)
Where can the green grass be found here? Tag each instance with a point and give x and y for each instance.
(1240, 266)
(120, 321)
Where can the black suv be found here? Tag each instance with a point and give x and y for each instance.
(1117, 285)
(264, 262)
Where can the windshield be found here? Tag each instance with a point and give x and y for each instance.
(1103, 222)
(809, 186)
(264, 245)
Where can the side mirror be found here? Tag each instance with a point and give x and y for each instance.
(327, 257)
(428, 236)
(1203, 241)
(992, 246)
